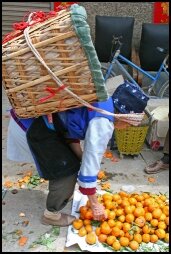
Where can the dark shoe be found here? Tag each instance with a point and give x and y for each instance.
(57, 219)
(156, 167)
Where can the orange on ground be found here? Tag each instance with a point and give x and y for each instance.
(116, 245)
(124, 241)
(77, 223)
(91, 238)
(133, 245)
(146, 238)
(110, 239)
(102, 238)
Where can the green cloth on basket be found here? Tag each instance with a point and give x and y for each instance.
(78, 17)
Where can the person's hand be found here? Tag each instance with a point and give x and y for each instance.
(98, 212)
(97, 208)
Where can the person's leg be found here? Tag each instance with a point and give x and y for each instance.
(59, 194)
(163, 163)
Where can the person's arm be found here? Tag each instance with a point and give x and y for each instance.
(98, 134)
(76, 148)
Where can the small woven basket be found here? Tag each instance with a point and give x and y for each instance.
(64, 43)
(130, 140)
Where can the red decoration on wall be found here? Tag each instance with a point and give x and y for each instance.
(161, 12)
(62, 5)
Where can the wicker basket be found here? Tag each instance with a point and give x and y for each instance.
(69, 53)
(130, 140)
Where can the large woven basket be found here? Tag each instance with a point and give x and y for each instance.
(64, 43)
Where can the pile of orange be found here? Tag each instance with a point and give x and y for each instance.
(131, 219)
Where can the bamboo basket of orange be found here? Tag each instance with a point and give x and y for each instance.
(50, 64)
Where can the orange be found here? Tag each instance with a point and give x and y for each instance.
(133, 245)
(116, 197)
(119, 212)
(77, 223)
(122, 233)
(137, 238)
(129, 236)
(119, 201)
(111, 215)
(139, 204)
(108, 204)
(140, 221)
(146, 238)
(115, 231)
(129, 218)
(139, 211)
(133, 208)
(166, 210)
(119, 224)
(132, 201)
(123, 194)
(166, 239)
(126, 226)
(148, 216)
(107, 211)
(154, 222)
(83, 210)
(125, 203)
(111, 223)
(162, 217)
(146, 229)
(152, 207)
(139, 198)
(104, 228)
(160, 233)
(82, 231)
(167, 221)
(91, 238)
(116, 245)
(145, 195)
(154, 238)
(110, 239)
(124, 241)
(97, 231)
(152, 230)
(162, 225)
(121, 218)
(102, 238)
(89, 214)
(128, 209)
(87, 222)
(157, 213)
(147, 202)
(88, 228)
(107, 196)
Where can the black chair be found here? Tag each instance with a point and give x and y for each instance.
(153, 36)
(105, 28)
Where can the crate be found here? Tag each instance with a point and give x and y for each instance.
(64, 43)
(130, 140)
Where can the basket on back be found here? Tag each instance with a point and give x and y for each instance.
(64, 43)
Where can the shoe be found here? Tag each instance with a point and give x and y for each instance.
(156, 167)
(57, 219)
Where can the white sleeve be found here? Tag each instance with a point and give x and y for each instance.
(98, 134)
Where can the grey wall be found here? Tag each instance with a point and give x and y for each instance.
(141, 11)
